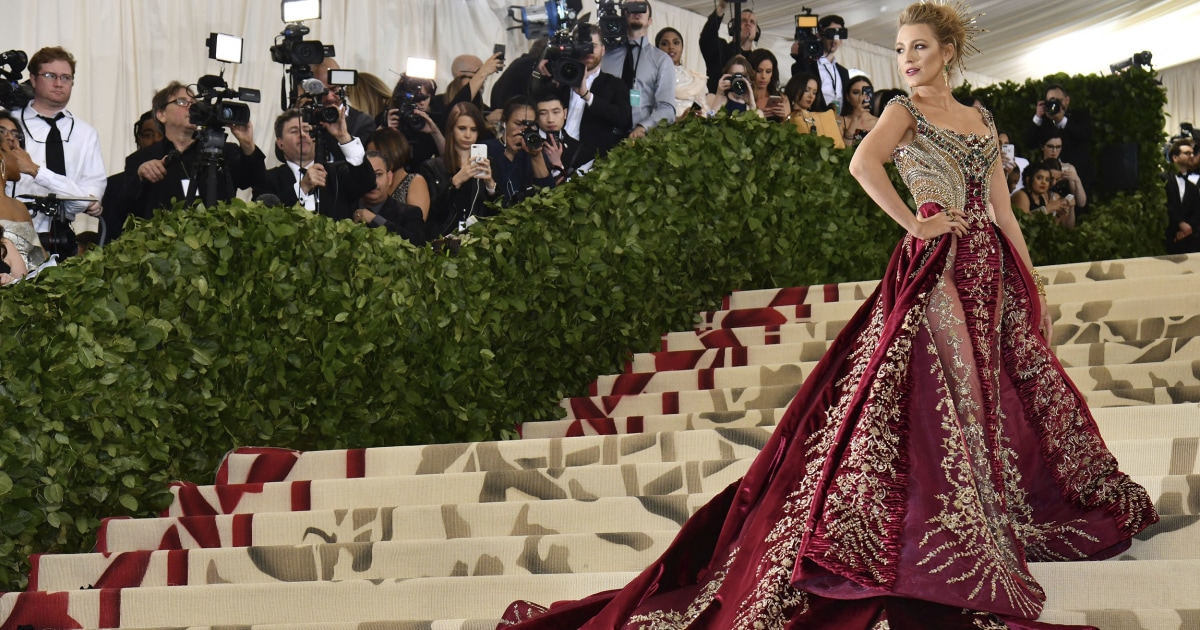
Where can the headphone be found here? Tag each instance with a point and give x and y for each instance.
(733, 25)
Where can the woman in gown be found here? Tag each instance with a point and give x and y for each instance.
(936, 449)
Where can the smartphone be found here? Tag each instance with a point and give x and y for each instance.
(774, 100)
(498, 49)
(478, 153)
(1010, 152)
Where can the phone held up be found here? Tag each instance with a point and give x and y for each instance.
(479, 153)
(498, 49)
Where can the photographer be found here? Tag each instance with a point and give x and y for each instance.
(409, 114)
(716, 51)
(599, 113)
(162, 172)
(332, 189)
(64, 151)
(647, 72)
(561, 149)
(735, 93)
(834, 78)
(518, 162)
(360, 125)
(1055, 114)
(1067, 181)
(379, 209)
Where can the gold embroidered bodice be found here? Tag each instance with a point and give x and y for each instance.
(947, 167)
(22, 234)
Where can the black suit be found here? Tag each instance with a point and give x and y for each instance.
(1076, 140)
(715, 50)
(605, 122)
(359, 124)
(1185, 210)
(812, 67)
(345, 184)
(142, 198)
(400, 218)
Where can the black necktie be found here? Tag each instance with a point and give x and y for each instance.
(628, 71)
(301, 180)
(56, 159)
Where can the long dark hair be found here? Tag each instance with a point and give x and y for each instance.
(757, 56)
(847, 106)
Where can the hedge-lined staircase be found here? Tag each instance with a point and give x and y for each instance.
(443, 537)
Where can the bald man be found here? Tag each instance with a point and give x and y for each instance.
(359, 123)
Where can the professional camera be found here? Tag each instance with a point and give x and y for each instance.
(1053, 106)
(610, 16)
(212, 107)
(13, 95)
(739, 84)
(290, 49)
(565, 52)
(807, 36)
(294, 50)
(406, 97)
(531, 135)
(1186, 132)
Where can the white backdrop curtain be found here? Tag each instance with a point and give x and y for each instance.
(1183, 95)
(127, 49)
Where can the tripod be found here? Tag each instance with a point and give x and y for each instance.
(210, 165)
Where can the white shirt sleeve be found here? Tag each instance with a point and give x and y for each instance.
(353, 151)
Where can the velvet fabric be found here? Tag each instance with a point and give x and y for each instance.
(937, 449)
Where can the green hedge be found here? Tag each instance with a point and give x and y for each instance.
(202, 330)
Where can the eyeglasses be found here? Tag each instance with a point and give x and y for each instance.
(1053, 147)
(184, 103)
(50, 76)
(16, 134)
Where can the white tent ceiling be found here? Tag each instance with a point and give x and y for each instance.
(1026, 38)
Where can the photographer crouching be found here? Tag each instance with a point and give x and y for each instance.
(165, 171)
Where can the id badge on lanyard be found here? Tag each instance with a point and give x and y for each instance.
(635, 98)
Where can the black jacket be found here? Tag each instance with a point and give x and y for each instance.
(605, 122)
(1186, 210)
(337, 200)
(812, 67)
(400, 218)
(143, 198)
(1076, 140)
(715, 50)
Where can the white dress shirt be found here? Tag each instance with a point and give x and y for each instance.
(578, 103)
(86, 176)
(654, 79)
(831, 81)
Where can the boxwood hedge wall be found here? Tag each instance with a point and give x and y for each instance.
(145, 361)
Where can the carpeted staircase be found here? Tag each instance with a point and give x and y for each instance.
(443, 537)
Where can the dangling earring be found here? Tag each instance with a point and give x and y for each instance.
(946, 74)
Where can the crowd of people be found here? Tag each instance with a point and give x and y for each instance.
(426, 164)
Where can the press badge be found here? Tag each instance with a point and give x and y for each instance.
(635, 98)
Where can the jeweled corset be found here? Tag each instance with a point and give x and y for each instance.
(945, 167)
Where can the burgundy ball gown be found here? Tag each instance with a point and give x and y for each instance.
(936, 450)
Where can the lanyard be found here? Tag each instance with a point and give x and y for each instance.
(29, 132)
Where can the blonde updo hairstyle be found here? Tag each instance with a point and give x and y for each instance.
(947, 24)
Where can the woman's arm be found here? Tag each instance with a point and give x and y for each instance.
(16, 264)
(1020, 200)
(894, 128)
(418, 195)
(1072, 174)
